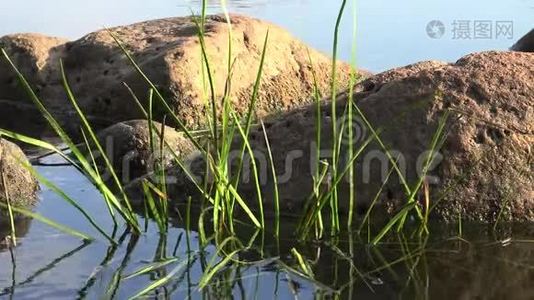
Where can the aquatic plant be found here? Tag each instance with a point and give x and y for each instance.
(221, 196)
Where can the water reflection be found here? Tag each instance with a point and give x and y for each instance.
(451, 264)
(22, 226)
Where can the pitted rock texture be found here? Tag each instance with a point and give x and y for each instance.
(484, 169)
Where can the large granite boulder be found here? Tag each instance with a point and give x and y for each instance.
(483, 171)
(169, 52)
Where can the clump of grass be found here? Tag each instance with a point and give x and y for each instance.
(221, 196)
(123, 206)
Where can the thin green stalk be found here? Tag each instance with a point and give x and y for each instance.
(214, 268)
(389, 226)
(429, 160)
(275, 181)
(109, 205)
(159, 96)
(304, 266)
(201, 28)
(335, 149)
(391, 159)
(318, 118)
(350, 150)
(128, 211)
(66, 198)
(151, 268)
(254, 169)
(251, 108)
(42, 219)
(13, 233)
(163, 181)
(40, 144)
(373, 203)
(152, 207)
(305, 223)
(162, 281)
(318, 179)
(226, 99)
(150, 123)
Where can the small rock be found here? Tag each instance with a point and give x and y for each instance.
(21, 186)
(127, 145)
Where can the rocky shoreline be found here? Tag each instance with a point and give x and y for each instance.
(485, 165)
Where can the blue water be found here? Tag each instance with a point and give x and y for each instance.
(389, 33)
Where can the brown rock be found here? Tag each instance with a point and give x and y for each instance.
(127, 145)
(526, 43)
(21, 186)
(169, 52)
(36, 56)
(483, 171)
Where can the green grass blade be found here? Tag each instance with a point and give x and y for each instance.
(109, 205)
(251, 108)
(49, 222)
(254, 168)
(389, 226)
(352, 82)
(391, 159)
(429, 160)
(86, 167)
(159, 96)
(304, 266)
(245, 207)
(66, 198)
(162, 281)
(151, 267)
(275, 180)
(375, 199)
(152, 206)
(38, 143)
(128, 211)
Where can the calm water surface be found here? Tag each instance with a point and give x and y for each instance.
(482, 263)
